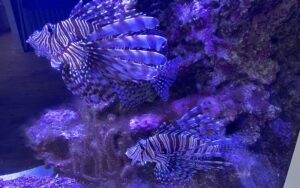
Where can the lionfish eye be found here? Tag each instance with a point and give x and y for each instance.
(50, 28)
(142, 147)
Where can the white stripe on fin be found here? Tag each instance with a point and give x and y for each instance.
(125, 70)
(139, 56)
(135, 24)
(153, 42)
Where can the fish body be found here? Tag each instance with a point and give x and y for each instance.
(105, 50)
(180, 150)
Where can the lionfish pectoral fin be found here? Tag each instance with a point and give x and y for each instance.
(211, 164)
(56, 64)
(97, 92)
(129, 25)
(165, 79)
(106, 63)
(124, 70)
(138, 41)
(143, 57)
(177, 170)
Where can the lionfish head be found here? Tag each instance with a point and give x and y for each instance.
(137, 153)
(39, 40)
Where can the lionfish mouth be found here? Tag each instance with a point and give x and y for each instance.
(134, 162)
(34, 46)
(40, 52)
(129, 153)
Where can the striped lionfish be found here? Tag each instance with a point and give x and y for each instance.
(180, 150)
(105, 50)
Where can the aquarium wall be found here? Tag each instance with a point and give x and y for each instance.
(4, 22)
(33, 14)
(28, 86)
(168, 93)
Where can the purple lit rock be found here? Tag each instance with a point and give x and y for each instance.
(41, 182)
(145, 121)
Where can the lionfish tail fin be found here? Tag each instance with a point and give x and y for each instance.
(162, 82)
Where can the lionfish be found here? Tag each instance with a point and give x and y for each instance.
(106, 50)
(180, 150)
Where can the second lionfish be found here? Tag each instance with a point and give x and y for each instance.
(107, 51)
(190, 145)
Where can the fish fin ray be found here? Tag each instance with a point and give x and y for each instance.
(176, 170)
(80, 54)
(165, 79)
(90, 86)
(139, 56)
(141, 41)
(126, 26)
(77, 8)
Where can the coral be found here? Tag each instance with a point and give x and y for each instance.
(145, 121)
(94, 150)
(228, 37)
(76, 147)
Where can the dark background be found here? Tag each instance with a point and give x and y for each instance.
(28, 85)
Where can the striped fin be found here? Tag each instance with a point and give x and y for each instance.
(165, 79)
(108, 12)
(123, 70)
(80, 54)
(181, 169)
(139, 56)
(195, 111)
(103, 12)
(93, 8)
(129, 25)
(193, 122)
(91, 86)
(215, 148)
(149, 42)
(75, 55)
(178, 170)
(217, 164)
